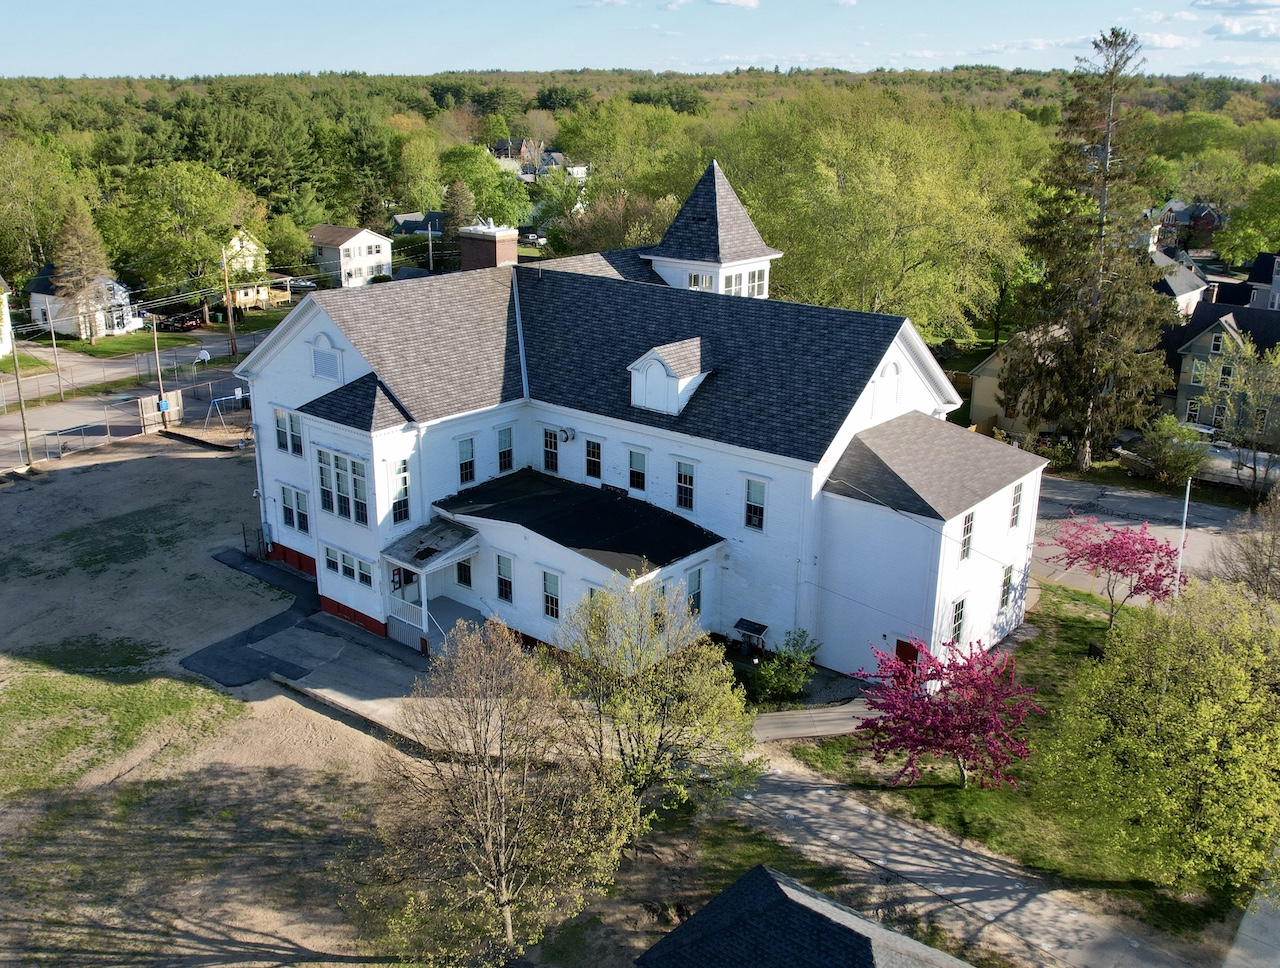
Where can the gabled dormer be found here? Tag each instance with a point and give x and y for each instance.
(665, 378)
(712, 244)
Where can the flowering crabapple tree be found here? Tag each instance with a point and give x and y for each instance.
(1132, 561)
(963, 704)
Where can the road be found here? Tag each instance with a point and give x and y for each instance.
(1059, 497)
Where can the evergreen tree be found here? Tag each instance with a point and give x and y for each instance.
(459, 209)
(81, 264)
(1086, 360)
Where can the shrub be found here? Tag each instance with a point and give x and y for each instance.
(784, 673)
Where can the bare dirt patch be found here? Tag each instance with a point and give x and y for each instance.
(194, 846)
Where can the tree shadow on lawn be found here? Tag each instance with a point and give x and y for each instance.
(220, 866)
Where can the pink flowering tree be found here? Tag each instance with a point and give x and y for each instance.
(1131, 561)
(964, 704)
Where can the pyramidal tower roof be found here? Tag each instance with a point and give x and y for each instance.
(712, 226)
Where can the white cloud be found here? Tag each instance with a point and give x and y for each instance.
(745, 4)
(1038, 43)
(920, 54)
(847, 3)
(1244, 7)
(1240, 30)
(604, 3)
(1160, 17)
(1167, 41)
(674, 4)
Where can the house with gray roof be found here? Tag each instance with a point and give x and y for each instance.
(349, 256)
(106, 310)
(506, 439)
(766, 919)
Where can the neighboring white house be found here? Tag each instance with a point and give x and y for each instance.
(502, 441)
(109, 313)
(250, 281)
(350, 256)
(6, 324)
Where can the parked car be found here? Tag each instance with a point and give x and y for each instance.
(293, 285)
(177, 324)
(533, 238)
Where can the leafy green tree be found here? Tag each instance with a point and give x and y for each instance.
(39, 186)
(1168, 746)
(288, 248)
(498, 193)
(1255, 226)
(1173, 449)
(655, 703)
(173, 222)
(1085, 362)
(561, 97)
(492, 829)
(1242, 391)
(421, 188)
(81, 263)
(885, 203)
(612, 222)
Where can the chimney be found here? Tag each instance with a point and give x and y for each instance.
(488, 245)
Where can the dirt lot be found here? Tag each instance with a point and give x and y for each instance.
(204, 850)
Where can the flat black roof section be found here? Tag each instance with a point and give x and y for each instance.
(612, 529)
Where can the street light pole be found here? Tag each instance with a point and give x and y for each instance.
(1186, 503)
(22, 406)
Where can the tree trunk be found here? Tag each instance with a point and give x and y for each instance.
(964, 772)
(1084, 454)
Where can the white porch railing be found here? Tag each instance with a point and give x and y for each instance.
(407, 612)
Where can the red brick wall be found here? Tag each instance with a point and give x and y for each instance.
(294, 559)
(348, 614)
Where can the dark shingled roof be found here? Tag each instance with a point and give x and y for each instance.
(324, 234)
(712, 225)
(1264, 267)
(766, 919)
(910, 464)
(442, 346)
(1261, 325)
(619, 264)
(1234, 293)
(783, 376)
(606, 526)
(364, 404)
(1178, 279)
(42, 282)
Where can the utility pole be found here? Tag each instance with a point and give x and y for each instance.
(155, 342)
(22, 406)
(226, 299)
(53, 338)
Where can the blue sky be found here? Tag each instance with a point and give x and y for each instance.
(147, 37)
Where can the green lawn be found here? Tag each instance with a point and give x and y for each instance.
(1024, 823)
(254, 320)
(71, 706)
(126, 345)
(32, 363)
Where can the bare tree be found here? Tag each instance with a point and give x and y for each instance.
(491, 829)
(1242, 386)
(1251, 553)
(655, 700)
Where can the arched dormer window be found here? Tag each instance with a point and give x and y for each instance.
(891, 375)
(326, 359)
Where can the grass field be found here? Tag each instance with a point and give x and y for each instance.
(254, 320)
(109, 347)
(72, 706)
(1024, 823)
(28, 363)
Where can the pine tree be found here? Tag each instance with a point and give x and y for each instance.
(1086, 361)
(81, 264)
(459, 208)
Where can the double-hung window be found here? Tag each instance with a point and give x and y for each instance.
(754, 518)
(551, 595)
(733, 284)
(593, 459)
(684, 485)
(637, 470)
(400, 500)
(694, 588)
(1006, 586)
(1193, 411)
(344, 488)
(1015, 512)
(466, 460)
(348, 566)
(289, 432)
(506, 454)
(1220, 417)
(1225, 376)
(957, 621)
(966, 537)
(1197, 373)
(1215, 343)
(463, 573)
(550, 452)
(293, 504)
(757, 282)
(504, 578)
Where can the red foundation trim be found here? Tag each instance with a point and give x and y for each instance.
(294, 559)
(349, 614)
